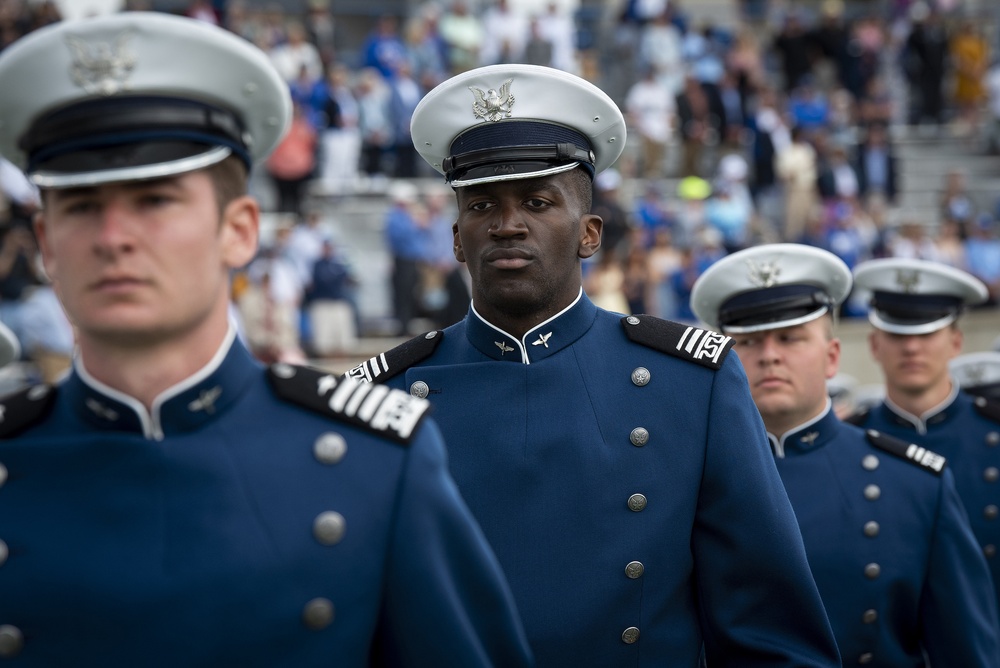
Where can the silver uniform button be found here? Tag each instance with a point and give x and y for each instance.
(989, 551)
(38, 392)
(329, 527)
(866, 658)
(871, 528)
(632, 320)
(419, 389)
(329, 448)
(11, 641)
(869, 616)
(639, 437)
(282, 370)
(872, 571)
(636, 502)
(634, 570)
(630, 635)
(872, 492)
(640, 376)
(430, 335)
(990, 512)
(991, 474)
(3, 474)
(869, 462)
(317, 614)
(993, 439)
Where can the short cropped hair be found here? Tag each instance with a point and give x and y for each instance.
(229, 178)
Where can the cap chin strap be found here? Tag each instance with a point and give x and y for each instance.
(779, 324)
(140, 173)
(559, 169)
(916, 329)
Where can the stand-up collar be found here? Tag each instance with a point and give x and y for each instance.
(183, 407)
(808, 436)
(935, 415)
(543, 340)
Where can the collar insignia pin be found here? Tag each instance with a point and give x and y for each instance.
(206, 400)
(543, 340)
(504, 348)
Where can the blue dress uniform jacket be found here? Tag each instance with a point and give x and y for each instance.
(629, 494)
(891, 549)
(969, 437)
(232, 527)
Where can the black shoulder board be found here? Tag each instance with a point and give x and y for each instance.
(911, 452)
(374, 408)
(858, 417)
(393, 362)
(25, 408)
(689, 343)
(988, 408)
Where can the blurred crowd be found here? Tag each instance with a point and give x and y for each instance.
(783, 128)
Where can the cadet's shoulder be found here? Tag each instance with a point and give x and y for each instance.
(376, 409)
(917, 455)
(692, 344)
(988, 407)
(393, 362)
(25, 408)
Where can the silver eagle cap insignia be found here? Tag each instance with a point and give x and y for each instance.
(101, 68)
(763, 274)
(907, 279)
(491, 105)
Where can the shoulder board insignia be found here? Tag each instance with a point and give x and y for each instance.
(911, 452)
(689, 343)
(858, 417)
(988, 408)
(25, 408)
(374, 408)
(393, 362)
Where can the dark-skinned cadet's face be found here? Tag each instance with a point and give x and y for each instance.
(523, 241)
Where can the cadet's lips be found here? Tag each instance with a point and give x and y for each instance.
(508, 258)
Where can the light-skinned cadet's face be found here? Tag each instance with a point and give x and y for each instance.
(522, 241)
(145, 260)
(787, 369)
(915, 363)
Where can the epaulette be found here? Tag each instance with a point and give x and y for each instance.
(689, 343)
(988, 408)
(24, 408)
(989, 390)
(858, 417)
(393, 362)
(911, 452)
(375, 408)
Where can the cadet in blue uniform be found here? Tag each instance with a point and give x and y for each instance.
(173, 503)
(915, 307)
(900, 572)
(977, 373)
(616, 464)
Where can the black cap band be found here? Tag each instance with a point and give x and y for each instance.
(516, 147)
(777, 304)
(122, 132)
(908, 308)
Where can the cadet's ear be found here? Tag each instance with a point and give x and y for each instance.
(590, 235)
(459, 253)
(240, 230)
